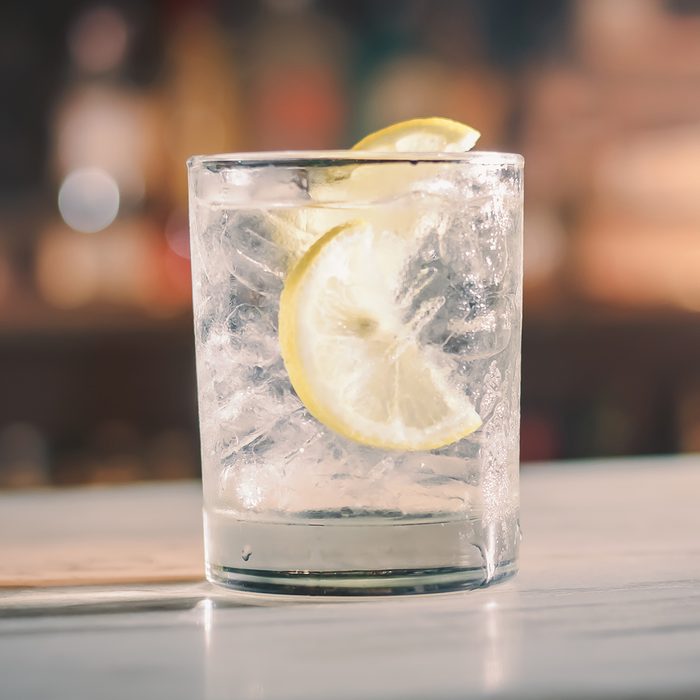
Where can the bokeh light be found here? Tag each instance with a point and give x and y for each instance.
(98, 39)
(177, 234)
(89, 200)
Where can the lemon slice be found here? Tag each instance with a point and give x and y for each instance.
(352, 357)
(428, 135)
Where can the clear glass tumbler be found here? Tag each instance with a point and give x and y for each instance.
(357, 322)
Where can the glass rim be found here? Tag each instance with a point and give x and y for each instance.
(347, 157)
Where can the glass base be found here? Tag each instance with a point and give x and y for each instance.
(366, 555)
(358, 583)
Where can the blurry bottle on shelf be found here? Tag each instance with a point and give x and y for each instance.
(414, 85)
(201, 103)
(561, 128)
(430, 63)
(297, 84)
(112, 128)
(102, 120)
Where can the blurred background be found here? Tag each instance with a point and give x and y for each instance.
(102, 103)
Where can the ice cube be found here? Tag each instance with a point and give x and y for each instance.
(483, 331)
(228, 187)
(252, 335)
(475, 243)
(250, 254)
(259, 475)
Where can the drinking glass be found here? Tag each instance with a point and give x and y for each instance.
(380, 456)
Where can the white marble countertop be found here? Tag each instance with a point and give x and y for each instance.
(607, 605)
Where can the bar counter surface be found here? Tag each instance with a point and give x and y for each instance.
(101, 597)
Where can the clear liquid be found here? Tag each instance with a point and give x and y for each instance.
(361, 555)
(289, 503)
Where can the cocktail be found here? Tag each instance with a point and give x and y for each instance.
(357, 323)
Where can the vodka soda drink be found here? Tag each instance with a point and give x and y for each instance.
(357, 321)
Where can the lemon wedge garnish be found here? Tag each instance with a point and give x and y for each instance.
(349, 184)
(351, 354)
(426, 135)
